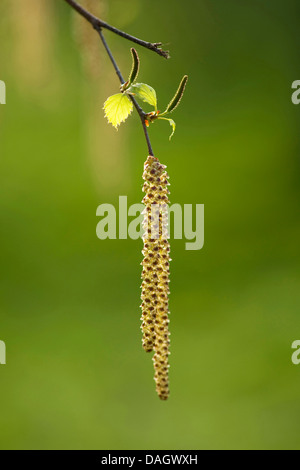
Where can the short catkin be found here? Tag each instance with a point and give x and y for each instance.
(155, 273)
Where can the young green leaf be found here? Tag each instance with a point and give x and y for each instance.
(172, 123)
(178, 95)
(117, 108)
(135, 67)
(144, 92)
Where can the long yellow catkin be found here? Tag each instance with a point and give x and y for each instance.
(155, 274)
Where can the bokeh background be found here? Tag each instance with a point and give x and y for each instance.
(76, 375)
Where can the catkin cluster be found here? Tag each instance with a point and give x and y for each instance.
(155, 274)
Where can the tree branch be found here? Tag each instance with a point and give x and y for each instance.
(137, 106)
(97, 23)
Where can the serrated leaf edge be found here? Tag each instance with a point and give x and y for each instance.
(123, 120)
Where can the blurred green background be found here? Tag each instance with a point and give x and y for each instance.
(76, 375)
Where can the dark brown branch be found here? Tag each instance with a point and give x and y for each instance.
(97, 23)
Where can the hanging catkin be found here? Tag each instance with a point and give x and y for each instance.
(155, 274)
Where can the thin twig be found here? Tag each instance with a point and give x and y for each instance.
(97, 23)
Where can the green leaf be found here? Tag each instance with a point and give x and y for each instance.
(135, 66)
(145, 93)
(178, 95)
(172, 124)
(117, 108)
